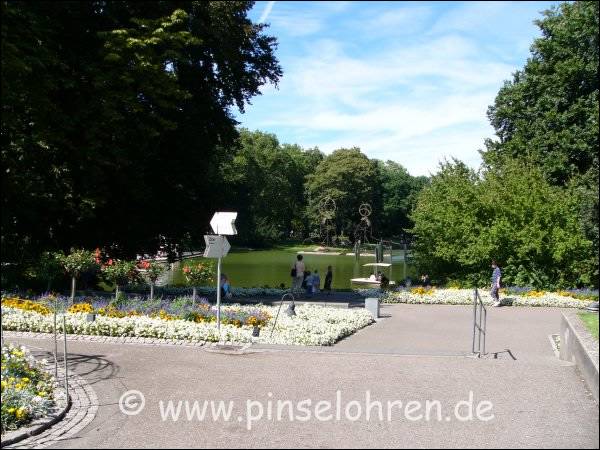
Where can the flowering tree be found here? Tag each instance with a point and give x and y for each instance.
(151, 270)
(197, 274)
(75, 263)
(119, 273)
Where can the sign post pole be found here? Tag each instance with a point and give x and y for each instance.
(219, 297)
(222, 223)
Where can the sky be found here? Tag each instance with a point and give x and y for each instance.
(403, 81)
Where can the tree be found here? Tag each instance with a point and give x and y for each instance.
(463, 220)
(75, 263)
(400, 191)
(547, 115)
(151, 271)
(197, 274)
(120, 273)
(266, 185)
(117, 117)
(349, 178)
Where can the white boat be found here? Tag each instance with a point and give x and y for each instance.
(372, 281)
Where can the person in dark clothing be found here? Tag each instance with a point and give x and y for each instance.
(385, 282)
(328, 280)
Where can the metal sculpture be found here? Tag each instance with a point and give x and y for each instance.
(327, 228)
(363, 231)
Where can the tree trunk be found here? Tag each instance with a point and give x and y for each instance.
(73, 289)
(194, 296)
(117, 293)
(151, 290)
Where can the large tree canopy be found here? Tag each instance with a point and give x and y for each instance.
(534, 206)
(116, 117)
(548, 113)
(266, 186)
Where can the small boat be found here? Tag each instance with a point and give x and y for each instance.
(372, 281)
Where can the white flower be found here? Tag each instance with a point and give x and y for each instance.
(313, 325)
(465, 297)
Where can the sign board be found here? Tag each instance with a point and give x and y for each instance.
(224, 223)
(216, 246)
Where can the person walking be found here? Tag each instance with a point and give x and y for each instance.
(328, 280)
(496, 277)
(297, 274)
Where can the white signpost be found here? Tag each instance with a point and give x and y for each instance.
(217, 246)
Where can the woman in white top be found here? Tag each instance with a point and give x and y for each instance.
(298, 273)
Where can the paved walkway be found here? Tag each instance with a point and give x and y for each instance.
(418, 353)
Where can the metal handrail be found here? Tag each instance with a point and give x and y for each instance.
(291, 308)
(479, 325)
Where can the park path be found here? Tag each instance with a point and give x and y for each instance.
(417, 353)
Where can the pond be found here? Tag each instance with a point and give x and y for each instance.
(258, 268)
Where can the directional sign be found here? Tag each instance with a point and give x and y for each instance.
(224, 223)
(216, 246)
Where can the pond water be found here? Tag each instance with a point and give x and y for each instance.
(258, 268)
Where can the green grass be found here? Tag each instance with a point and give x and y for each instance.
(590, 321)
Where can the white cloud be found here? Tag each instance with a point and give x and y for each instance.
(265, 14)
(413, 97)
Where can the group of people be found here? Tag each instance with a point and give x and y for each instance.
(383, 280)
(310, 282)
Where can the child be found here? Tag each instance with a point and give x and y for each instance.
(316, 282)
(308, 283)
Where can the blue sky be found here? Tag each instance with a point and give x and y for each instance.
(405, 81)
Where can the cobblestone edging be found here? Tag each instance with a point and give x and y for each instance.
(121, 340)
(65, 424)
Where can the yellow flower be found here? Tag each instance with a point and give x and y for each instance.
(21, 413)
(81, 308)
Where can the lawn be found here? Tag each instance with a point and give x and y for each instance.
(591, 322)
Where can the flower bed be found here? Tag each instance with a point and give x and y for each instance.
(27, 390)
(452, 296)
(237, 292)
(313, 325)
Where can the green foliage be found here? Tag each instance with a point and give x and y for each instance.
(119, 272)
(349, 178)
(513, 215)
(399, 191)
(198, 274)
(115, 111)
(77, 261)
(152, 270)
(266, 180)
(547, 115)
(534, 208)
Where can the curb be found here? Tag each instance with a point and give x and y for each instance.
(578, 346)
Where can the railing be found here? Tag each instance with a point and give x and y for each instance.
(479, 325)
(291, 311)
